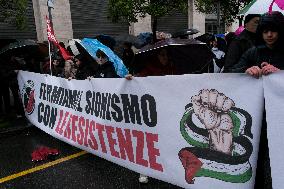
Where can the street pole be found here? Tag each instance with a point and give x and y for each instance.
(240, 18)
(50, 5)
(218, 17)
(190, 16)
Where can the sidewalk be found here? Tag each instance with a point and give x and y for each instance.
(9, 125)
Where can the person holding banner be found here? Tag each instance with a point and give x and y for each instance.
(160, 67)
(105, 68)
(268, 56)
(263, 59)
(69, 70)
(80, 68)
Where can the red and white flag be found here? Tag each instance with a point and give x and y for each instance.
(51, 38)
(50, 32)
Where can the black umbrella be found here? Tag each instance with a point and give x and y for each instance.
(184, 33)
(188, 55)
(127, 38)
(106, 40)
(20, 47)
(5, 42)
(207, 37)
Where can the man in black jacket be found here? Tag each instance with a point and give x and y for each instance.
(242, 42)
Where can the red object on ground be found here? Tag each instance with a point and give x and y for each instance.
(43, 152)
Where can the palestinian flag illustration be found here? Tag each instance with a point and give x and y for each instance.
(219, 135)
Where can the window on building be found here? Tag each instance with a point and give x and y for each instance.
(211, 26)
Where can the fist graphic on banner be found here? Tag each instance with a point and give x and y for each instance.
(211, 108)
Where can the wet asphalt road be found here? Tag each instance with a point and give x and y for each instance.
(85, 171)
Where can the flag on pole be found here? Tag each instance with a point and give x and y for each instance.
(51, 38)
(50, 33)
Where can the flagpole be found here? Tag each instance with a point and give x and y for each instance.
(49, 51)
(50, 5)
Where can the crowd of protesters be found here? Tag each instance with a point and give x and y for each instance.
(76, 67)
(257, 50)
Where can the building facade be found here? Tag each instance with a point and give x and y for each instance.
(87, 18)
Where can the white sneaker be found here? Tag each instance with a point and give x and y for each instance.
(19, 116)
(143, 179)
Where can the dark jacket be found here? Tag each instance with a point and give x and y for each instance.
(127, 59)
(157, 69)
(237, 47)
(83, 71)
(105, 70)
(256, 55)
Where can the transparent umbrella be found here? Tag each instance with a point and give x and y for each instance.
(130, 39)
(185, 33)
(24, 47)
(188, 55)
(19, 45)
(262, 6)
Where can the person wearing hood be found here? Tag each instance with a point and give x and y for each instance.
(268, 54)
(242, 42)
(263, 59)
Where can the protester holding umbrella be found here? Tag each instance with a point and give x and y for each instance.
(128, 56)
(105, 68)
(160, 66)
(90, 47)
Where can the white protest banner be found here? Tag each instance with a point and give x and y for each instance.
(274, 106)
(193, 131)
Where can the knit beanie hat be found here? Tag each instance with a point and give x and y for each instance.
(273, 21)
(250, 16)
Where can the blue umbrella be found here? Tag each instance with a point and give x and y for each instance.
(93, 45)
